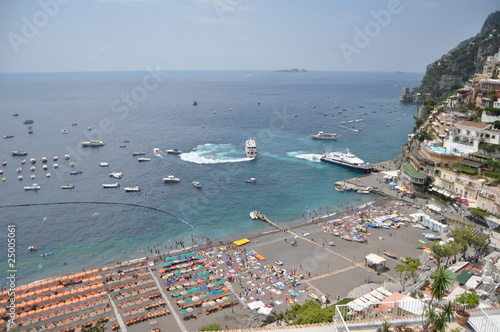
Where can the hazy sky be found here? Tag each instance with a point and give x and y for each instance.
(111, 35)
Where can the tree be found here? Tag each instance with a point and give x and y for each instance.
(211, 327)
(407, 270)
(98, 327)
(446, 250)
(435, 319)
(467, 237)
(384, 327)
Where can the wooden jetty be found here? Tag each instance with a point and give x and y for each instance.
(261, 216)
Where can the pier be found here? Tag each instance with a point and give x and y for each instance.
(262, 216)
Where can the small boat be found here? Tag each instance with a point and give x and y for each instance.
(44, 159)
(19, 169)
(171, 179)
(32, 168)
(140, 153)
(156, 151)
(74, 124)
(1, 171)
(4, 163)
(116, 175)
(402, 259)
(46, 254)
(30, 131)
(15, 114)
(250, 148)
(55, 158)
(19, 153)
(4, 179)
(64, 131)
(23, 161)
(331, 243)
(174, 151)
(33, 160)
(197, 184)
(364, 191)
(340, 188)
(33, 176)
(111, 185)
(66, 156)
(132, 189)
(8, 136)
(195, 103)
(103, 164)
(32, 248)
(32, 187)
(323, 135)
(67, 186)
(20, 177)
(72, 164)
(390, 254)
(253, 215)
(251, 180)
(143, 159)
(47, 175)
(28, 121)
(422, 241)
(75, 172)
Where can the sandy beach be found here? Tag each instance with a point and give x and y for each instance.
(190, 289)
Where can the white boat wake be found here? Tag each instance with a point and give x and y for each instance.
(315, 158)
(214, 154)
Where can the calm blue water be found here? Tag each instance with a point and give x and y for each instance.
(278, 110)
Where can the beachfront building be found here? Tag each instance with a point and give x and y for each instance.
(442, 125)
(452, 183)
(428, 221)
(467, 135)
(489, 199)
(413, 175)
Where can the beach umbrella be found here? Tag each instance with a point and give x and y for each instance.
(213, 292)
(187, 300)
(183, 310)
(177, 272)
(168, 283)
(220, 291)
(190, 309)
(196, 289)
(219, 301)
(184, 292)
(211, 303)
(190, 290)
(176, 295)
(204, 288)
(205, 304)
(195, 298)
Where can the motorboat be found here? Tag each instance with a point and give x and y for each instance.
(197, 184)
(72, 164)
(66, 156)
(20, 177)
(32, 160)
(19, 170)
(8, 136)
(32, 168)
(174, 151)
(47, 175)
(56, 165)
(116, 175)
(104, 164)
(340, 188)
(19, 153)
(75, 172)
(111, 185)
(251, 180)
(28, 121)
(253, 215)
(23, 161)
(55, 158)
(364, 191)
(132, 189)
(67, 186)
(431, 237)
(348, 160)
(251, 148)
(4, 163)
(34, 186)
(64, 131)
(143, 159)
(139, 153)
(323, 135)
(32, 176)
(32, 248)
(44, 159)
(195, 103)
(46, 254)
(171, 179)
(156, 151)
(30, 131)
(93, 143)
(4, 179)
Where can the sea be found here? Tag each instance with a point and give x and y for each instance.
(90, 226)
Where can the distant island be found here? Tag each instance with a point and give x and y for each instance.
(293, 70)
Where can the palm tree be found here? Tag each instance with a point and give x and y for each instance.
(442, 280)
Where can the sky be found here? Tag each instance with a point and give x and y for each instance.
(318, 35)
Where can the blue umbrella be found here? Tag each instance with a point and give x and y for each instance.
(204, 288)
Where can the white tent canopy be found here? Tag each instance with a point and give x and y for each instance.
(374, 259)
(256, 305)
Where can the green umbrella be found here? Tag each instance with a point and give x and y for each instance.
(183, 310)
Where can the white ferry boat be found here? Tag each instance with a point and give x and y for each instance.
(171, 179)
(251, 148)
(132, 189)
(32, 187)
(174, 151)
(323, 135)
(347, 160)
(93, 143)
(19, 153)
(111, 185)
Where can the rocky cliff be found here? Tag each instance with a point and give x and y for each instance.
(459, 64)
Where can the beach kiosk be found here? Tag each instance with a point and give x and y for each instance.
(375, 261)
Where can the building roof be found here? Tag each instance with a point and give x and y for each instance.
(463, 276)
(473, 124)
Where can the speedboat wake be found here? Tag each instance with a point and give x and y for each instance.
(214, 154)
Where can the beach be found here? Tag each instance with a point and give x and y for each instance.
(219, 284)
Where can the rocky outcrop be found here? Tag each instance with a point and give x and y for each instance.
(459, 64)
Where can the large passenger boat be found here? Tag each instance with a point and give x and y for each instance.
(93, 143)
(348, 160)
(323, 135)
(251, 148)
